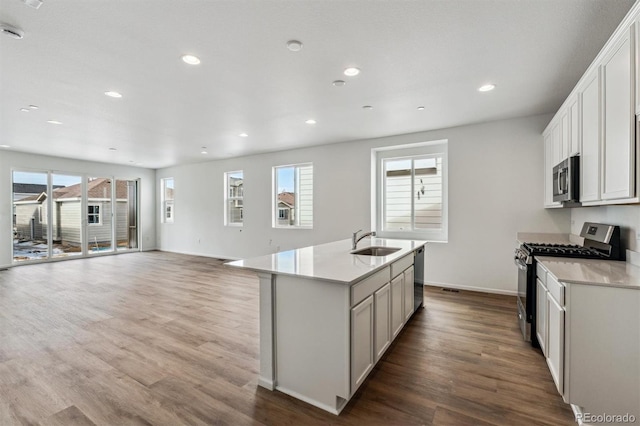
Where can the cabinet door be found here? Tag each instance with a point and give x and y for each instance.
(397, 305)
(555, 342)
(619, 133)
(564, 135)
(408, 293)
(574, 126)
(362, 354)
(548, 171)
(382, 328)
(541, 316)
(557, 143)
(591, 136)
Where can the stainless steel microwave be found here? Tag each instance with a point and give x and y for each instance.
(566, 178)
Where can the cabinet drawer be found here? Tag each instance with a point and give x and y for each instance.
(555, 289)
(400, 265)
(541, 273)
(366, 287)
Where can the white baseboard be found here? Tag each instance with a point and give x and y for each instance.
(189, 253)
(471, 288)
(325, 407)
(265, 383)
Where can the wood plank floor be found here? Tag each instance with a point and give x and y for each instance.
(167, 339)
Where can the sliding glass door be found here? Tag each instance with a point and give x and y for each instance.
(66, 215)
(30, 216)
(99, 215)
(126, 214)
(57, 215)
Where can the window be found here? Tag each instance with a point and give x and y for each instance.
(412, 192)
(234, 194)
(167, 200)
(93, 214)
(293, 196)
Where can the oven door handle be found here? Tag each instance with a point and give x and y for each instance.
(520, 264)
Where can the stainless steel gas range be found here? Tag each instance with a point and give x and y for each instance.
(600, 242)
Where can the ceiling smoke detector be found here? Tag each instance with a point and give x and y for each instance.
(12, 32)
(33, 3)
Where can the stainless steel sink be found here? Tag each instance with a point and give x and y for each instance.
(375, 251)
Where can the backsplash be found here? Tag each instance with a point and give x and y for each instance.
(627, 217)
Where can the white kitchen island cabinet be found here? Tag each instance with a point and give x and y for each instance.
(327, 316)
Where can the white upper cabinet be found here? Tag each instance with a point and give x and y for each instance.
(590, 156)
(598, 123)
(618, 153)
(549, 162)
(574, 126)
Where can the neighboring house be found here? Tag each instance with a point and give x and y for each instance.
(286, 208)
(24, 190)
(236, 192)
(31, 214)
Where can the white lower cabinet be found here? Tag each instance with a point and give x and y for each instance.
(541, 315)
(408, 293)
(362, 341)
(382, 312)
(555, 342)
(397, 305)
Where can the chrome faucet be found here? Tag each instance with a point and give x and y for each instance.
(357, 239)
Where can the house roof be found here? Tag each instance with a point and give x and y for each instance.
(96, 188)
(31, 188)
(288, 198)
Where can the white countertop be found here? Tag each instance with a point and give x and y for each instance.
(610, 273)
(331, 261)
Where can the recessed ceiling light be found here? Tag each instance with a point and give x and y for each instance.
(203, 152)
(420, 108)
(339, 83)
(351, 71)
(33, 107)
(367, 107)
(13, 32)
(113, 94)
(243, 135)
(54, 122)
(487, 87)
(138, 164)
(25, 109)
(311, 121)
(294, 45)
(5, 146)
(190, 59)
(131, 161)
(113, 149)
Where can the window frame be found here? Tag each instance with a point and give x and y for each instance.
(228, 197)
(431, 149)
(167, 205)
(275, 215)
(96, 215)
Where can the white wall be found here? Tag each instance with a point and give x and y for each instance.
(627, 217)
(10, 160)
(495, 191)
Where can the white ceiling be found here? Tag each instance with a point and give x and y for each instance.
(412, 53)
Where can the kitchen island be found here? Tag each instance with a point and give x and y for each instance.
(327, 315)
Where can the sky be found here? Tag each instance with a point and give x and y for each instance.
(41, 178)
(285, 179)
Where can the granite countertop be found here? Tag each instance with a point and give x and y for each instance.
(609, 273)
(331, 261)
